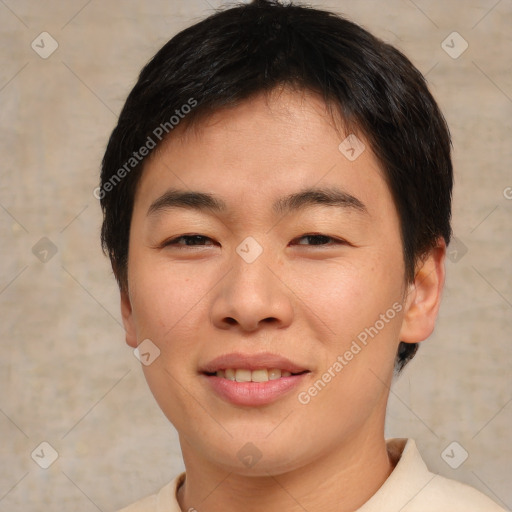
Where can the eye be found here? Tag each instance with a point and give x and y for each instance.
(187, 241)
(319, 239)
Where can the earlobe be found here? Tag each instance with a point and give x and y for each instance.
(127, 315)
(424, 296)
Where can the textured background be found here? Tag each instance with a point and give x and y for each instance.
(66, 376)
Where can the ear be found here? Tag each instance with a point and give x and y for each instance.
(128, 321)
(424, 296)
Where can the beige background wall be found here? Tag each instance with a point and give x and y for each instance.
(66, 376)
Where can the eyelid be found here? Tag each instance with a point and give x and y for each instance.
(172, 241)
(333, 240)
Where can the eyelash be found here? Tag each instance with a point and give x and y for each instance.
(174, 241)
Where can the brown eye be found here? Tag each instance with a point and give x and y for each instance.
(187, 240)
(318, 239)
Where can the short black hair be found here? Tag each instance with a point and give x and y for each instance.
(252, 48)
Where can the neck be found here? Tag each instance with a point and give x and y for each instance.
(339, 481)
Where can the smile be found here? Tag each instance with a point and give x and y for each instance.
(260, 375)
(252, 379)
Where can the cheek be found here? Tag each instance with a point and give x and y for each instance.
(363, 307)
(166, 296)
(347, 296)
(167, 302)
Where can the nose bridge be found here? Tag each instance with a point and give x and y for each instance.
(251, 292)
(250, 269)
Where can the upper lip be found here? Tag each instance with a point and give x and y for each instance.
(251, 362)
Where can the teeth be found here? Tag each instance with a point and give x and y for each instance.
(274, 374)
(259, 376)
(243, 375)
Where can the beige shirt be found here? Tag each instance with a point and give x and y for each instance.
(411, 487)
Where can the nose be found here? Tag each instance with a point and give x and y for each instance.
(250, 297)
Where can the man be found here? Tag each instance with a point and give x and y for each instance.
(276, 201)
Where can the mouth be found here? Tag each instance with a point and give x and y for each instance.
(247, 375)
(252, 379)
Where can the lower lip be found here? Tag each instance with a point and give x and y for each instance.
(254, 393)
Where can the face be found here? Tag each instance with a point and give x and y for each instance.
(281, 269)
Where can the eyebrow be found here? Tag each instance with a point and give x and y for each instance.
(202, 201)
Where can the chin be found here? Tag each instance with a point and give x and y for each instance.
(258, 458)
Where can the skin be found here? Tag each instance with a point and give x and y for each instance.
(302, 301)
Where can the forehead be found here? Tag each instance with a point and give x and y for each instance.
(263, 149)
